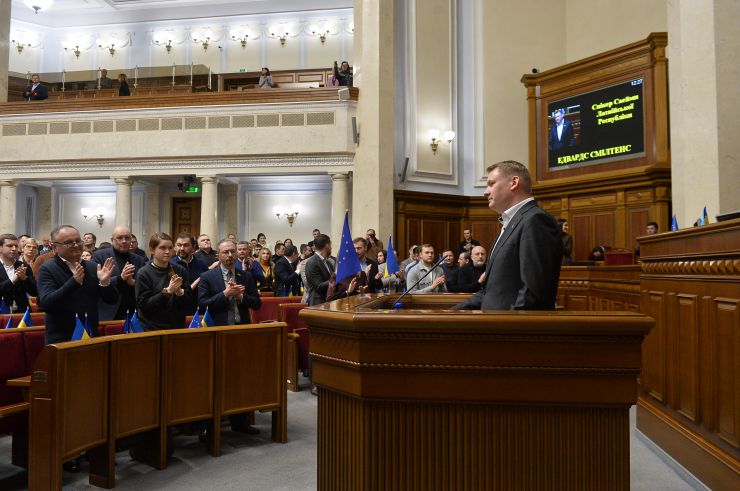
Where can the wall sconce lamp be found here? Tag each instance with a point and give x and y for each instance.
(203, 39)
(167, 45)
(19, 46)
(89, 214)
(242, 39)
(289, 214)
(321, 33)
(76, 51)
(282, 38)
(111, 49)
(434, 135)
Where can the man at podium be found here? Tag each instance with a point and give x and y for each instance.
(524, 264)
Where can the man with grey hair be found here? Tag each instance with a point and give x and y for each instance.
(523, 267)
(70, 286)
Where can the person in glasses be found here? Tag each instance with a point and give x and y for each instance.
(70, 287)
(125, 266)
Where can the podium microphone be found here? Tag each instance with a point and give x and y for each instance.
(397, 304)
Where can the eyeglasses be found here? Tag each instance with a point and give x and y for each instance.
(123, 238)
(70, 243)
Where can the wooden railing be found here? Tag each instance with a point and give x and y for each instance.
(273, 96)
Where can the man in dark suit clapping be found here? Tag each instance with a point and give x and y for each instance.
(229, 293)
(523, 268)
(69, 286)
(35, 91)
(125, 266)
(16, 278)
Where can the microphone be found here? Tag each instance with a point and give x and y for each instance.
(397, 304)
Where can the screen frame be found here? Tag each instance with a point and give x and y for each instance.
(551, 91)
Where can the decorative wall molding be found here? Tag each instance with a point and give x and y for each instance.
(718, 267)
(81, 167)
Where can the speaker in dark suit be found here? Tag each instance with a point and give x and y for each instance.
(120, 240)
(566, 138)
(523, 268)
(69, 286)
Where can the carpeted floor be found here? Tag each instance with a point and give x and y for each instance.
(256, 463)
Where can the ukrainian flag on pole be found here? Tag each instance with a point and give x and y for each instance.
(391, 261)
(207, 320)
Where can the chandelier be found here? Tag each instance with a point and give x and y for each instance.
(38, 5)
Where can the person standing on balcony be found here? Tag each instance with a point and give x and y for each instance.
(35, 91)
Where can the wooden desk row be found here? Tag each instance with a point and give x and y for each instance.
(87, 394)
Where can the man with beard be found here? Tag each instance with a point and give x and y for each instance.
(185, 257)
(126, 264)
(245, 261)
(471, 275)
(229, 293)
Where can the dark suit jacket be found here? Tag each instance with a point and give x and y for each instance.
(468, 277)
(452, 275)
(211, 295)
(287, 281)
(39, 94)
(62, 297)
(462, 248)
(107, 311)
(567, 138)
(373, 285)
(18, 291)
(523, 270)
(317, 279)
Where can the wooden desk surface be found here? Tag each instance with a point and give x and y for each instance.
(20, 381)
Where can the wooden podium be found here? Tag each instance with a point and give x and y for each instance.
(428, 398)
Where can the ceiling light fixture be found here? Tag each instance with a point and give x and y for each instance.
(38, 5)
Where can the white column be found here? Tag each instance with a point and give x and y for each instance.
(4, 48)
(123, 201)
(231, 221)
(45, 215)
(374, 67)
(209, 208)
(151, 225)
(7, 207)
(704, 56)
(339, 204)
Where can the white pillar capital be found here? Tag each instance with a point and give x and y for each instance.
(123, 181)
(208, 179)
(339, 176)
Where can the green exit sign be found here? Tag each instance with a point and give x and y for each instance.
(193, 189)
(242, 70)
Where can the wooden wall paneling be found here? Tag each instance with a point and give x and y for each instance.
(581, 230)
(687, 361)
(604, 228)
(413, 235)
(454, 236)
(707, 356)
(434, 232)
(637, 219)
(654, 359)
(727, 316)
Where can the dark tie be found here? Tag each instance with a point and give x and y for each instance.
(233, 312)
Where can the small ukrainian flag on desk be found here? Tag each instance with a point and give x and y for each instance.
(26, 319)
(80, 332)
(207, 320)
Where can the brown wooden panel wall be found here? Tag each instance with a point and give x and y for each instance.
(439, 219)
(689, 283)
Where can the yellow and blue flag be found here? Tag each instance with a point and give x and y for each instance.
(207, 320)
(26, 319)
(80, 332)
(391, 261)
(705, 217)
(348, 264)
(195, 323)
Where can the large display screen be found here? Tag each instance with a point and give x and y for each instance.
(595, 127)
